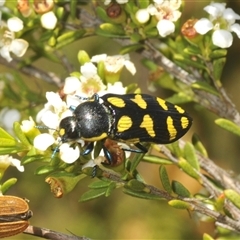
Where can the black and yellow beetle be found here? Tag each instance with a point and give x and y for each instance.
(130, 118)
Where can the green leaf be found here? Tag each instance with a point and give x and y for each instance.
(110, 30)
(219, 53)
(156, 159)
(180, 98)
(187, 168)
(175, 148)
(207, 237)
(92, 194)
(180, 204)
(135, 185)
(137, 158)
(7, 142)
(233, 196)
(180, 190)
(7, 184)
(99, 184)
(198, 145)
(143, 195)
(228, 125)
(131, 48)
(110, 189)
(20, 134)
(69, 37)
(218, 66)
(29, 159)
(44, 170)
(190, 155)
(5, 135)
(204, 86)
(164, 179)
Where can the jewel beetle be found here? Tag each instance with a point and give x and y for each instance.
(14, 215)
(130, 118)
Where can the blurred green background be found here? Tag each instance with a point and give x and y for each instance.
(120, 216)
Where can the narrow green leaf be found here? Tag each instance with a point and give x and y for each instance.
(180, 190)
(110, 30)
(198, 145)
(204, 87)
(135, 185)
(164, 179)
(233, 196)
(110, 189)
(20, 134)
(218, 66)
(187, 168)
(44, 170)
(207, 237)
(219, 53)
(69, 37)
(156, 159)
(180, 204)
(180, 98)
(228, 125)
(99, 184)
(176, 149)
(131, 48)
(7, 184)
(7, 142)
(5, 135)
(92, 194)
(190, 155)
(143, 195)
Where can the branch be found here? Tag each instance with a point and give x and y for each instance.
(50, 234)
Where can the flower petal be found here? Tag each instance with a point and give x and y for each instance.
(17, 163)
(69, 154)
(15, 24)
(165, 27)
(222, 38)
(43, 141)
(19, 47)
(203, 25)
(236, 28)
(49, 20)
(71, 85)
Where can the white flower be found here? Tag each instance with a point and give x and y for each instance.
(142, 15)
(28, 125)
(6, 161)
(88, 84)
(53, 111)
(166, 12)
(8, 43)
(69, 154)
(8, 117)
(43, 141)
(106, 2)
(49, 20)
(114, 64)
(222, 22)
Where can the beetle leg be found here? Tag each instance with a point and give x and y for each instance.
(141, 148)
(72, 108)
(88, 149)
(107, 155)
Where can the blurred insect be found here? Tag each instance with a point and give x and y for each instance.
(14, 215)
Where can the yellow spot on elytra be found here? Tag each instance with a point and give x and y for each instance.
(147, 123)
(124, 123)
(184, 122)
(162, 103)
(96, 138)
(140, 101)
(179, 109)
(118, 102)
(171, 129)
